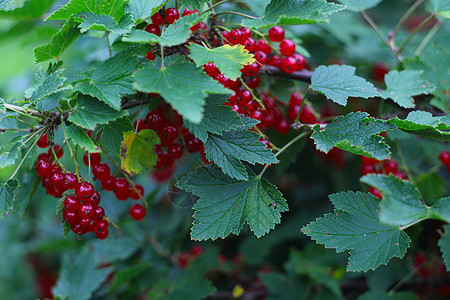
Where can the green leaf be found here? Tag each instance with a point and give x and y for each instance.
(282, 287)
(175, 34)
(3, 3)
(431, 187)
(10, 151)
(125, 275)
(113, 8)
(401, 203)
(80, 277)
(294, 12)
(229, 59)
(2, 105)
(111, 135)
(401, 86)
(338, 83)
(217, 118)
(444, 245)
(110, 80)
(355, 227)
(358, 5)
(7, 191)
(225, 204)
(440, 7)
(380, 295)
(441, 209)
(356, 133)
(45, 85)
(232, 147)
(62, 40)
(181, 84)
(192, 3)
(31, 10)
(424, 124)
(137, 151)
(144, 9)
(92, 21)
(80, 137)
(92, 112)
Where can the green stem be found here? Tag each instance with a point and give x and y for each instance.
(253, 95)
(237, 14)
(297, 120)
(407, 14)
(413, 223)
(107, 42)
(34, 114)
(70, 147)
(411, 35)
(375, 27)
(404, 165)
(214, 6)
(428, 38)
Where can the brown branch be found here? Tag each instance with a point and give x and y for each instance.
(303, 75)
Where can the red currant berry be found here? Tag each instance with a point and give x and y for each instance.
(70, 181)
(95, 158)
(122, 195)
(306, 116)
(368, 169)
(193, 144)
(58, 151)
(168, 134)
(101, 171)
(153, 28)
(249, 44)
(244, 96)
(211, 69)
(400, 175)
(282, 126)
(369, 161)
(235, 36)
(157, 19)
(287, 47)
(57, 179)
(251, 70)
(261, 57)
(288, 64)
(376, 193)
(444, 157)
(150, 56)
(140, 125)
(275, 61)
(299, 61)
(245, 32)
(175, 151)
(43, 141)
(121, 185)
(261, 45)
(136, 193)
(196, 250)
(379, 71)
(79, 228)
(44, 155)
(276, 34)
(137, 212)
(171, 15)
(102, 235)
(84, 190)
(94, 200)
(86, 210)
(254, 82)
(108, 183)
(154, 120)
(71, 203)
(70, 217)
(99, 213)
(44, 168)
(390, 166)
(101, 225)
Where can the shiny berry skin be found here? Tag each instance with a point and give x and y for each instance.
(193, 144)
(254, 82)
(84, 190)
(101, 225)
(94, 200)
(261, 57)
(175, 151)
(249, 44)
(44, 168)
(171, 15)
(261, 45)
(282, 126)
(157, 19)
(275, 61)
(140, 125)
(276, 34)
(122, 195)
(168, 134)
(70, 217)
(287, 47)
(368, 160)
(150, 56)
(235, 36)
(211, 69)
(43, 141)
(154, 120)
(108, 183)
(121, 185)
(252, 69)
(306, 116)
(101, 171)
(57, 179)
(226, 37)
(86, 210)
(99, 213)
(152, 28)
(102, 234)
(288, 64)
(70, 181)
(444, 157)
(71, 203)
(136, 193)
(58, 151)
(368, 169)
(79, 228)
(137, 212)
(299, 61)
(245, 32)
(244, 96)
(95, 158)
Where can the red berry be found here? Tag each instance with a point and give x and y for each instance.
(70, 217)
(101, 225)
(261, 57)
(306, 116)
(102, 235)
(57, 179)
(196, 250)
(94, 200)
(137, 212)
(168, 134)
(101, 171)
(376, 192)
(70, 181)
(150, 56)
(175, 151)
(99, 213)
(254, 82)
(275, 61)
(140, 125)
(122, 195)
(288, 64)
(282, 126)
(154, 120)
(43, 141)
(95, 158)
(136, 193)
(71, 203)
(379, 71)
(79, 228)
(44, 168)
(245, 32)
(226, 37)
(171, 15)
(261, 45)
(276, 34)
(58, 151)
(157, 19)
(295, 99)
(249, 44)
(235, 36)
(244, 96)
(369, 161)
(211, 69)
(368, 169)
(108, 183)
(44, 155)
(299, 61)
(153, 28)
(287, 47)
(444, 157)
(84, 190)
(251, 70)
(390, 166)
(121, 185)
(86, 210)
(193, 144)
(400, 175)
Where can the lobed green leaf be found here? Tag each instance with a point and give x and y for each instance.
(7, 196)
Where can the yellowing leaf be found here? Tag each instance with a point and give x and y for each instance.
(137, 151)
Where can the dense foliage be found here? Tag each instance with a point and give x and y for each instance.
(311, 137)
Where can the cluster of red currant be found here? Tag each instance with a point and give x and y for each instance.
(184, 258)
(174, 137)
(444, 157)
(371, 165)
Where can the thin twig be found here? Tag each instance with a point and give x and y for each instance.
(214, 6)
(303, 75)
(411, 35)
(237, 14)
(428, 38)
(407, 14)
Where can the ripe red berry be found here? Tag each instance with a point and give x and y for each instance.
(275, 61)
(157, 19)
(306, 116)
(101, 225)
(153, 28)
(287, 47)
(444, 157)
(136, 193)
(211, 69)
(261, 45)
(171, 15)
(99, 213)
(299, 61)
(154, 120)
(70, 217)
(261, 57)
(193, 144)
(175, 151)
(43, 141)
(57, 179)
(288, 64)
(70, 181)
(58, 151)
(376, 192)
(276, 34)
(71, 203)
(368, 169)
(44, 168)
(390, 166)
(379, 71)
(137, 212)
(108, 183)
(101, 171)
(121, 185)
(254, 82)
(102, 234)
(95, 158)
(282, 126)
(168, 134)
(79, 228)
(150, 56)
(249, 44)
(368, 161)
(94, 200)
(245, 32)
(235, 36)
(86, 210)
(196, 250)
(84, 190)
